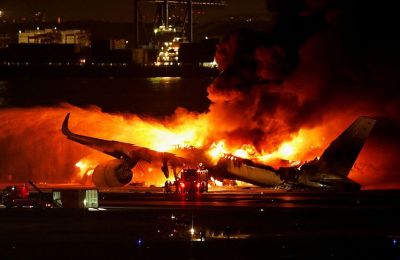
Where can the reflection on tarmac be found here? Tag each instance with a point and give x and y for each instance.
(231, 224)
(251, 198)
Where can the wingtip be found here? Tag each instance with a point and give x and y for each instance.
(65, 130)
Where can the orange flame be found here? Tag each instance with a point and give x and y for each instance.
(29, 139)
(86, 166)
(185, 130)
(217, 150)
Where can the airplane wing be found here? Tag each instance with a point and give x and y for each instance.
(130, 153)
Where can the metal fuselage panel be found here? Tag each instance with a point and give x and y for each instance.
(330, 182)
(239, 170)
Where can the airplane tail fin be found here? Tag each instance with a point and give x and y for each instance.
(340, 156)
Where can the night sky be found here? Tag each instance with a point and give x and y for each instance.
(116, 11)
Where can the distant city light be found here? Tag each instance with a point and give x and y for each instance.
(37, 28)
(1, 13)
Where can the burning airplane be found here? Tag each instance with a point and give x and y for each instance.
(329, 171)
(278, 101)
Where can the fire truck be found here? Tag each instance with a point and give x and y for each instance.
(189, 181)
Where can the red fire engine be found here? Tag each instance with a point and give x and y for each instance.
(189, 181)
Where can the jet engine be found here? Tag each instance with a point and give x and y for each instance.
(114, 173)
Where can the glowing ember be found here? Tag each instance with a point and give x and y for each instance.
(86, 167)
(167, 140)
(243, 184)
(217, 150)
(286, 150)
(216, 182)
(241, 153)
(245, 151)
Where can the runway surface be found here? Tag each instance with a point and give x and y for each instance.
(238, 223)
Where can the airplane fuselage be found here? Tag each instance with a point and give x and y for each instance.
(231, 167)
(330, 171)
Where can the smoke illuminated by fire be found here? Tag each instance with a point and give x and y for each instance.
(45, 154)
(277, 101)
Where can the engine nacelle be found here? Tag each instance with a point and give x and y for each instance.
(111, 174)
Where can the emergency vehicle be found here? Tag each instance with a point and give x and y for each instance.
(19, 196)
(189, 181)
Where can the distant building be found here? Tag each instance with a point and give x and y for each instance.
(54, 36)
(79, 37)
(118, 44)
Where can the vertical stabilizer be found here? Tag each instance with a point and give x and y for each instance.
(339, 157)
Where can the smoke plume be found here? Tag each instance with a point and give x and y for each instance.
(324, 64)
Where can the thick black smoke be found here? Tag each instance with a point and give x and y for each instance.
(324, 61)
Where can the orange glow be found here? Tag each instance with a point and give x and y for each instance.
(183, 129)
(216, 182)
(286, 150)
(217, 150)
(86, 166)
(243, 184)
(245, 151)
(241, 153)
(69, 160)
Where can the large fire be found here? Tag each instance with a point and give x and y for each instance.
(190, 130)
(278, 103)
(41, 151)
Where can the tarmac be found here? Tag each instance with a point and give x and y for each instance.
(235, 223)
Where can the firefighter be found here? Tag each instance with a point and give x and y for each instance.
(167, 187)
(24, 192)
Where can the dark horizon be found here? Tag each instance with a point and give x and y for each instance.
(121, 11)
